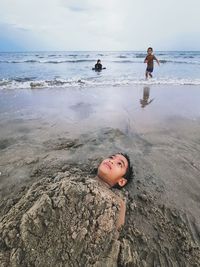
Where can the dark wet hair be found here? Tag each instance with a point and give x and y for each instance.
(150, 48)
(129, 172)
(98, 60)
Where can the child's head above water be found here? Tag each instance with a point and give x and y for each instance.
(116, 170)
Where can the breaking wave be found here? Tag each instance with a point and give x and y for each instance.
(31, 83)
(46, 61)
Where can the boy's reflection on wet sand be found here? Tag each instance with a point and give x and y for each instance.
(145, 101)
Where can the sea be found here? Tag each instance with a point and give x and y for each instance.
(28, 70)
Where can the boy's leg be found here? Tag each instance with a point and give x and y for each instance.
(150, 73)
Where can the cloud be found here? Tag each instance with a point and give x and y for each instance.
(102, 25)
(77, 9)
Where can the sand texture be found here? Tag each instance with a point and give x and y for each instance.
(69, 220)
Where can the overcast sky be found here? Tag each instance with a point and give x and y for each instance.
(99, 25)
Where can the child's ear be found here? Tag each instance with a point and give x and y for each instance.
(122, 181)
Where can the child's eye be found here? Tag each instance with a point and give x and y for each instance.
(120, 164)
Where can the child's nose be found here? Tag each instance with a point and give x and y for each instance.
(111, 161)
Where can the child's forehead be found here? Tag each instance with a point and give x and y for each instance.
(120, 157)
(116, 155)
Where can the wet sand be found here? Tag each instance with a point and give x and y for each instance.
(42, 131)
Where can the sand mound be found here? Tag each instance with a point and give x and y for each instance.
(69, 220)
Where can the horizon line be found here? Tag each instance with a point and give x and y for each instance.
(32, 51)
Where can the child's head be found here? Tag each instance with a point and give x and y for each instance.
(98, 61)
(116, 170)
(150, 50)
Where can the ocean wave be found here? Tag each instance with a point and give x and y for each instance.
(27, 83)
(122, 59)
(163, 61)
(31, 61)
(47, 61)
(121, 56)
(125, 61)
(31, 83)
(68, 61)
(141, 55)
(24, 79)
(53, 55)
(188, 57)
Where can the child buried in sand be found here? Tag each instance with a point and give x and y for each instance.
(67, 220)
(116, 171)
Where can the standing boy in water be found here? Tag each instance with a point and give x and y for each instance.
(149, 60)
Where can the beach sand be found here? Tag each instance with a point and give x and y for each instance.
(43, 131)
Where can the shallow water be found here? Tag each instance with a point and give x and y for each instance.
(127, 108)
(27, 70)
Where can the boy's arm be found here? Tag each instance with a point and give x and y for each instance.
(157, 60)
(122, 211)
(145, 60)
(151, 101)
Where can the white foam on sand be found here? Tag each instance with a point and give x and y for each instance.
(12, 84)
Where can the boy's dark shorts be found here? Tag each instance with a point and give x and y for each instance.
(149, 69)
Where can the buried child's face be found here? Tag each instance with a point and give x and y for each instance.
(112, 170)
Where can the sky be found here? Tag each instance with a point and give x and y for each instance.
(99, 25)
